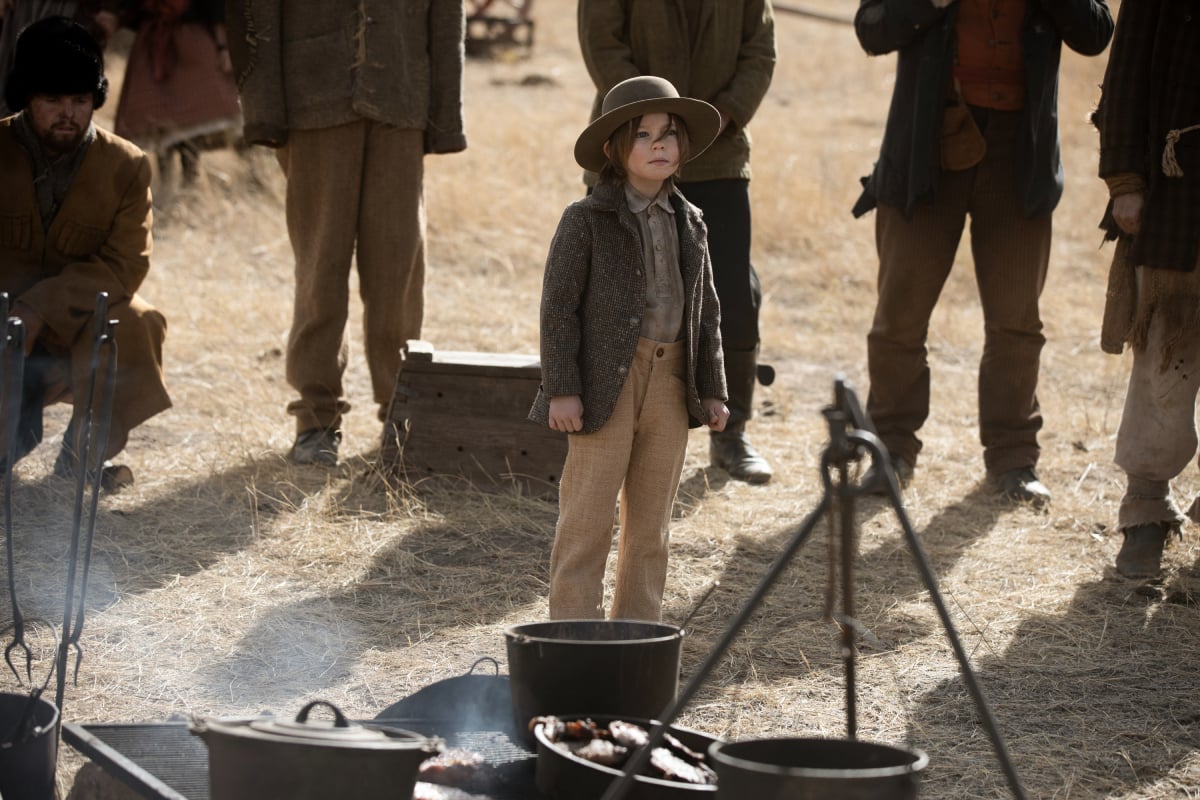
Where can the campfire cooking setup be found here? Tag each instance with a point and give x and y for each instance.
(29, 724)
(586, 712)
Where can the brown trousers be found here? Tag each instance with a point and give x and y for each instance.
(1011, 254)
(638, 454)
(139, 392)
(354, 187)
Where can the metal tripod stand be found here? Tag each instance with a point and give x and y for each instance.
(851, 435)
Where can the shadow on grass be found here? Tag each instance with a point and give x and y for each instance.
(789, 634)
(1098, 700)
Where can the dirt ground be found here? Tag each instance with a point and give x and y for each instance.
(229, 582)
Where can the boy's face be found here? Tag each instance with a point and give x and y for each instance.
(60, 120)
(654, 157)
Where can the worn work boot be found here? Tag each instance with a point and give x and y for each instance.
(729, 449)
(113, 477)
(316, 446)
(875, 482)
(1141, 552)
(1022, 485)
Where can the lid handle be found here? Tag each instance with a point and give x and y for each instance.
(339, 719)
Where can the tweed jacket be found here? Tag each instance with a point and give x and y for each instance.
(923, 35)
(730, 65)
(593, 297)
(1152, 86)
(308, 64)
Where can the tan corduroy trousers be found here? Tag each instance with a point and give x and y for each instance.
(1011, 254)
(354, 192)
(637, 455)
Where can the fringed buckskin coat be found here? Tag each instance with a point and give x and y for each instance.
(593, 297)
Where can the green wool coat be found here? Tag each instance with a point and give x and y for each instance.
(729, 64)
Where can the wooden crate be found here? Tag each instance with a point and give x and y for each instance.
(464, 414)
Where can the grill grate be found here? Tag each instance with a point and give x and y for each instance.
(158, 760)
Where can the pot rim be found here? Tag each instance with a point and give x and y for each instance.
(516, 634)
(716, 753)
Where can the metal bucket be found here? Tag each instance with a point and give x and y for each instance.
(618, 667)
(815, 769)
(27, 757)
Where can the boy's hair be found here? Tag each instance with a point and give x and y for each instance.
(620, 144)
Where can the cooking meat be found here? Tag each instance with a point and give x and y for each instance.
(682, 750)
(557, 730)
(460, 768)
(599, 751)
(674, 768)
(552, 727)
(432, 791)
(628, 734)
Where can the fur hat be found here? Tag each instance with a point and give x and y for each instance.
(636, 97)
(55, 56)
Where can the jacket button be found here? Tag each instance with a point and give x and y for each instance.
(622, 370)
(659, 352)
(633, 321)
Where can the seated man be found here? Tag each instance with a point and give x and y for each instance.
(75, 221)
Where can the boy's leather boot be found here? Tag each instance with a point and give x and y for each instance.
(729, 449)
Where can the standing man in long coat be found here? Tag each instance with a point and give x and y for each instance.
(722, 52)
(76, 221)
(1149, 121)
(972, 131)
(353, 96)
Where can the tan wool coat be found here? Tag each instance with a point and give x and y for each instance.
(98, 242)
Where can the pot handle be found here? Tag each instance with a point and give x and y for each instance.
(339, 719)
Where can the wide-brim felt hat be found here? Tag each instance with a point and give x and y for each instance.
(636, 97)
(55, 56)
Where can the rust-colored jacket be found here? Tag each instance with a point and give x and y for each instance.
(98, 242)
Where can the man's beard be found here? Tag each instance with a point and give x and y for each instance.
(59, 141)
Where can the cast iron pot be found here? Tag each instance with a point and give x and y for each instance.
(620, 667)
(302, 760)
(28, 747)
(815, 769)
(565, 776)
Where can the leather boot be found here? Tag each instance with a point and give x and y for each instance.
(730, 450)
(1141, 552)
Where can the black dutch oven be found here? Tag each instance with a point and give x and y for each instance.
(619, 667)
(251, 759)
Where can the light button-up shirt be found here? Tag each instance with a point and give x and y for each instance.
(662, 320)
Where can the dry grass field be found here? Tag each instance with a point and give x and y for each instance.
(227, 581)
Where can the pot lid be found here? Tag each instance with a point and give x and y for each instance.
(336, 732)
(321, 730)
